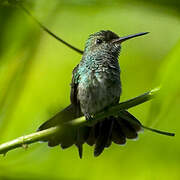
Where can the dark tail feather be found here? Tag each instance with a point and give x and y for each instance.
(105, 131)
(80, 150)
(109, 139)
(82, 136)
(127, 128)
(118, 136)
(68, 137)
(132, 120)
(93, 134)
(91, 139)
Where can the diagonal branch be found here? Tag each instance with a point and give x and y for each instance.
(44, 28)
(23, 141)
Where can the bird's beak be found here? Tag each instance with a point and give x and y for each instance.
(122, 39)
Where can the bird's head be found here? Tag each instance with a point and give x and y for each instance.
(106, 42)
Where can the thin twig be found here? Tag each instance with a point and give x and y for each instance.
(40, 135)
(48, 31)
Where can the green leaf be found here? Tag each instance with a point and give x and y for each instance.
(164, 108)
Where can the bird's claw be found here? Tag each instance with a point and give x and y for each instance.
(88, 117)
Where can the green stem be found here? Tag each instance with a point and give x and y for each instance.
(23, 141)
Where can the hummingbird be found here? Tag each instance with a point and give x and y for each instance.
(95, 86)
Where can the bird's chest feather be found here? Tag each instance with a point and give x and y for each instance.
(98, 89)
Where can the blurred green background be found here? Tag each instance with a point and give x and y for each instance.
(35, 75)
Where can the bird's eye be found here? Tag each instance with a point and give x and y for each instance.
(99, 41)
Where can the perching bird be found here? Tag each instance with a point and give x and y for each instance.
(95, 86)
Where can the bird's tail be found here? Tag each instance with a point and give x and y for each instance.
(117, 129)
(102, 134)
(114, 129)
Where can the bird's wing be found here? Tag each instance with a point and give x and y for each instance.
(74, 85)
(81, 131)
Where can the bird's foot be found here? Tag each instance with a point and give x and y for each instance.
(88, 117)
